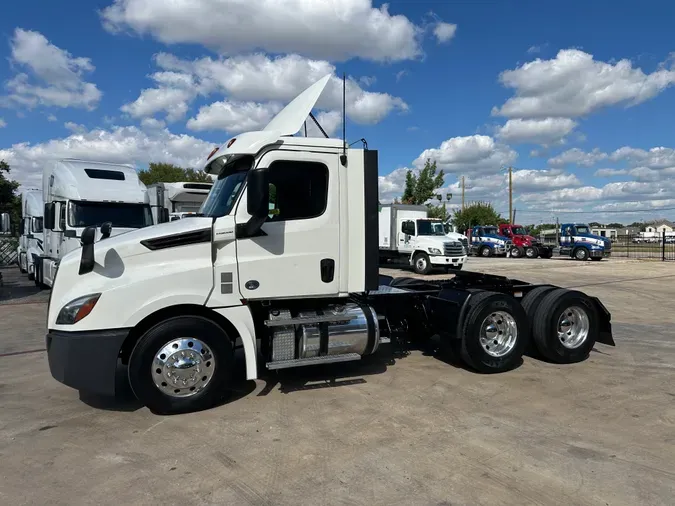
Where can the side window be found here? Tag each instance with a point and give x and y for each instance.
(408, 227)
(62, 216)
(298, 190)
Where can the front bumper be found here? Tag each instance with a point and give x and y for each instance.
(86, 360)
(598, 253)
(443, 260)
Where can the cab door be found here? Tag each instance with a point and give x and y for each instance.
(406, 236)
(297, 252)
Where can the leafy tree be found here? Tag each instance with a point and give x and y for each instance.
(476, 213)
(439, 212)
(615, 225)
(10, 201)
(422, 187)
(170, 173)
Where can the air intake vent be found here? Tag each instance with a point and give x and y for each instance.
(197, 186)
(115, 175)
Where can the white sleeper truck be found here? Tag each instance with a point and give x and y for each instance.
(31, 240)
(79, 194)
(283, 259)
(174, 201)
(406, 232)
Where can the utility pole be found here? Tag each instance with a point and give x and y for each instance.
(510, 196)
(462, 193)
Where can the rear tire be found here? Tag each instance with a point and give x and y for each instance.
(421, 263)
(565, 326)
(494, 333)
(517, 252)
(531, 252)
(191, 378)
(530, 304)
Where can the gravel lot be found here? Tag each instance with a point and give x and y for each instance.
(390, 430)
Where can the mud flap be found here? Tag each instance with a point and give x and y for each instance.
(605, 323)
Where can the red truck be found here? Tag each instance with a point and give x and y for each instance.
(524, 244)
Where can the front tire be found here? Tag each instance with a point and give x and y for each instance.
(531, 252)
(421, 263)
(494, 333)
(486, 252)
(517, 252)
(565, 326)
(581, 254)
(182, 364)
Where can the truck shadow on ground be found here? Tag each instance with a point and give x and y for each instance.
(16, 286)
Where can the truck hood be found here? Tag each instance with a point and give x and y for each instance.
(122, 261)
(593, 239)
(494, 237)
(454, 236)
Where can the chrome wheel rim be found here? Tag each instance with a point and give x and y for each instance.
(421, 263)
(486, 252)
(573, 327)
(498, 334)
(183, 367)
(515, 252)
(581, 254)
(530, 252)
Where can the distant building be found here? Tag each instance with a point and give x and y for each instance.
(610, 233)
(659, 227)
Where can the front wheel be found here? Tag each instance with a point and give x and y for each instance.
(581, 254)
(531, 252)
(517, 252)
(182, 364)
(421, 263)
(486, 251)
(494, 332)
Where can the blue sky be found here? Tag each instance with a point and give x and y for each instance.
(578, 99)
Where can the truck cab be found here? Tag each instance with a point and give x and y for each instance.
(524, 245)
(175, 201)
(577, 241)
(486, 241)
(31, 231)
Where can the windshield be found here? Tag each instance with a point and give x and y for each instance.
(86, 214)
(582, 229)
(519, 231)
(428, 227)
(490, 230)
(37, 225)
(225, 190)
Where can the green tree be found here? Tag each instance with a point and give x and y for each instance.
(10, 201)
(170, 173)
(615, 225)
(476, 213)
(422, 187)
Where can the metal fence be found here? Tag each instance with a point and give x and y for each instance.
(635, 246)
(8, 246)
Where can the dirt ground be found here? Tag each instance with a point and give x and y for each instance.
(411, 430)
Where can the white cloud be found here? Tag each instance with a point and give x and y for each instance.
(3, 123)
(368, 80)
(573, 84)
(120, 144)
(256, 78)
(536, 131)
(52, 118)
(75, 127)
(58, 74)
(325, 29)
(610, 172)
(466, 155)
(152, 124)
(233, 117)
(655, 158)
(444, 32)
(576, 156)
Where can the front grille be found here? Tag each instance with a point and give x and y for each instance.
(453, 249)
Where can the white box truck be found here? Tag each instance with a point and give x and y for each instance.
(407, 233)
(80, 193)
(174, 201)
(31, 231)
(297, 284)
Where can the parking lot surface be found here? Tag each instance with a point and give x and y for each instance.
(408, 430)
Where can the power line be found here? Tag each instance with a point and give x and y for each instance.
(597, 211)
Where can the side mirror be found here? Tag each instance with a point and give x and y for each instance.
(5, 224)
(106, 228)
(258, 193)
(87, 259)
(163, 215)
(49, 216)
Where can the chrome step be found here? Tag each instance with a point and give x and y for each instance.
(306, 320)
(326, 359)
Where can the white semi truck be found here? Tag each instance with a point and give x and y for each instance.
(283, 259)
(407, 233)
(31, 231)
(174, 201)
(79, 194)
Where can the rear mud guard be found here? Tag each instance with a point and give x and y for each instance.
(605, 333)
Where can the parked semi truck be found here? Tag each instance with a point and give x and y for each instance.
(174, 201)
(80, 193)
(31, 231)
(486, 241)
(407, 233)
(283, 258)
(524, 245)
(576, 241)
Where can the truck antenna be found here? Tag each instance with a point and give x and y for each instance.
(343, 158)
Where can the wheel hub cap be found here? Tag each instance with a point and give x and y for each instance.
(573, 327)
(183, 367)
(498, 334)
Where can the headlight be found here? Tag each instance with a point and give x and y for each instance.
(435, 251)
(77, 309)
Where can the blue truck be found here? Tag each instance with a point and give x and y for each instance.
(486, 241)
(576, 241)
